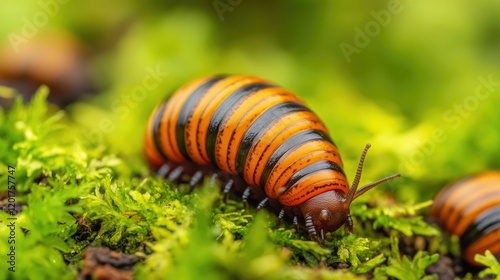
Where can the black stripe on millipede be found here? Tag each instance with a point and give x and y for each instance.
(156, 128)
(224, 108)
(292, 143)
(185, 112)
(310, 169)
(260, 126)
(483, 224)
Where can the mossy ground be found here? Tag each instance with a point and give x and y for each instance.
(72, 194)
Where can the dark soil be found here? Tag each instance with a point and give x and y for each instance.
(103, 264)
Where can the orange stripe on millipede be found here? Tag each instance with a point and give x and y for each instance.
(152, 154)
(470, 212)
(278, 178)
(442, 197)
(456, 200)
(260, 153)
(254, 107)
(205, 109)
(487, 242)
(312, 185)
(323, 155)
(169, 120)
(456, 207)
(459, 192)
(289, 158)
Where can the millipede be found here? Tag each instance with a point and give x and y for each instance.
(255, 134)
(470, 209)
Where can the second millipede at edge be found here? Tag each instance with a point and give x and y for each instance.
(470, 209)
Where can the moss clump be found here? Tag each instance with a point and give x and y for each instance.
(491, 263)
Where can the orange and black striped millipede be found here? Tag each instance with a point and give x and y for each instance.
(260, 135)
(470, 209)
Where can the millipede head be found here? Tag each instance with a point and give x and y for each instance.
(330, 210)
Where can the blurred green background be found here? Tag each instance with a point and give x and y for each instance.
(419, 80)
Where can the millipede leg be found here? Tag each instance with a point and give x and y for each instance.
(281, 215)
(163, 170)
(245, 196)
(213, 179)
(262, 203)
(310, 227)
(227, 188)
(175, 174)
(348, 224)
(295, 223)
(195, 179)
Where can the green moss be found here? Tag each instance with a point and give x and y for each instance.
(491, 263)
(44, 227)
(399, 217)
(401, 267)
(89, 195)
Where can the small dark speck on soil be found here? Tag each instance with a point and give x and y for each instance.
(341, 266)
